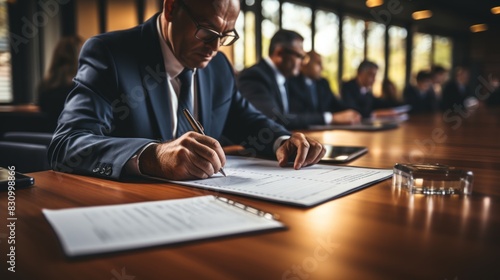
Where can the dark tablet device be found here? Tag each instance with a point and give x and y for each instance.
(9, 177)
(342, 153)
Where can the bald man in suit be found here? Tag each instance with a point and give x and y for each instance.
(124, 116)
(312, 99)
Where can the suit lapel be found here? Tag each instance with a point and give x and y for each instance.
(154, 78)
(270, 73)
(204, 98)
(305, 92)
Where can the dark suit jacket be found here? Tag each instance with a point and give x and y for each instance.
(420, 103)
(365, 104)
(301, 102)
(258, 85)
(453, 96)
(121, 102)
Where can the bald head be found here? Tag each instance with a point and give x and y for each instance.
(312, 66)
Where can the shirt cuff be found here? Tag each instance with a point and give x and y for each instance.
(279, 141)
(328, 117)
(132, 165)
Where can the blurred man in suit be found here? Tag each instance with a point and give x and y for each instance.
(357, 93)
(124, 116)
(312, 100)
(457, 92)
(265, 84)
(421, 97)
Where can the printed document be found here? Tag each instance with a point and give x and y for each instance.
(102, 229)
(305, 187)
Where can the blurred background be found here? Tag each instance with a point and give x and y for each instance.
(401, 36)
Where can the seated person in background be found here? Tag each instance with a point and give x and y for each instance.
(390, 93)
(124, 116)
(456, 92)
(421, 97)
(58, 81)
(439, 77)
(312, 100)
(357, 93)
(265, 83)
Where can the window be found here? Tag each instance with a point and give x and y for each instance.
(326, 43)
(376, 52)
(397, 56)
(121, 14)
(299, 19)
(151, 7)
(421, 53)
(5, 62)
(249, 39)
(239, 46)
(270, 23)
(443, 48)
(353, 43)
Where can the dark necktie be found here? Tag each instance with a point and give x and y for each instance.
(284, 97)
(185, 101)
(314, 95)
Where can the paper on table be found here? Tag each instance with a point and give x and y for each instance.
(102, 229)
(305, 187)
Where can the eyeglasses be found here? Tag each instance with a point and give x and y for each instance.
(208, 35)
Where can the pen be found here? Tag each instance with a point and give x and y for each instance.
(197, 128)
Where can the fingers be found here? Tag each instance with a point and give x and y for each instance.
(315, 153)
(205, 153)
(300, 142)
(322, 151)
(356, 117)
(214, 146)
(308, 151)
(191, 156)
(283, 153)
(347, 117)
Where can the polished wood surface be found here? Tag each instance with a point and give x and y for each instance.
(376, 233)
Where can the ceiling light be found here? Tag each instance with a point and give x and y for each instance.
(494, 10)
(423, 14)
(374, 3)
(478, 27)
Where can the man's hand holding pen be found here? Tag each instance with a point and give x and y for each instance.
(191, 156)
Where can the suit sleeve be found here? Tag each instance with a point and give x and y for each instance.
(83, 141)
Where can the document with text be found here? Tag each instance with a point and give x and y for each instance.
(104, 229)
(308, 186)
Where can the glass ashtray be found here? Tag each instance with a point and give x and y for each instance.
(432, 179)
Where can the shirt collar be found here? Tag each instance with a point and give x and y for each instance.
(172, 66)
(279, 77)
(309, 81)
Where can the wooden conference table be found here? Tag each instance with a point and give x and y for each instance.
(376, 233)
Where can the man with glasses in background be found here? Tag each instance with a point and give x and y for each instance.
(124, 116)
(265, 84)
